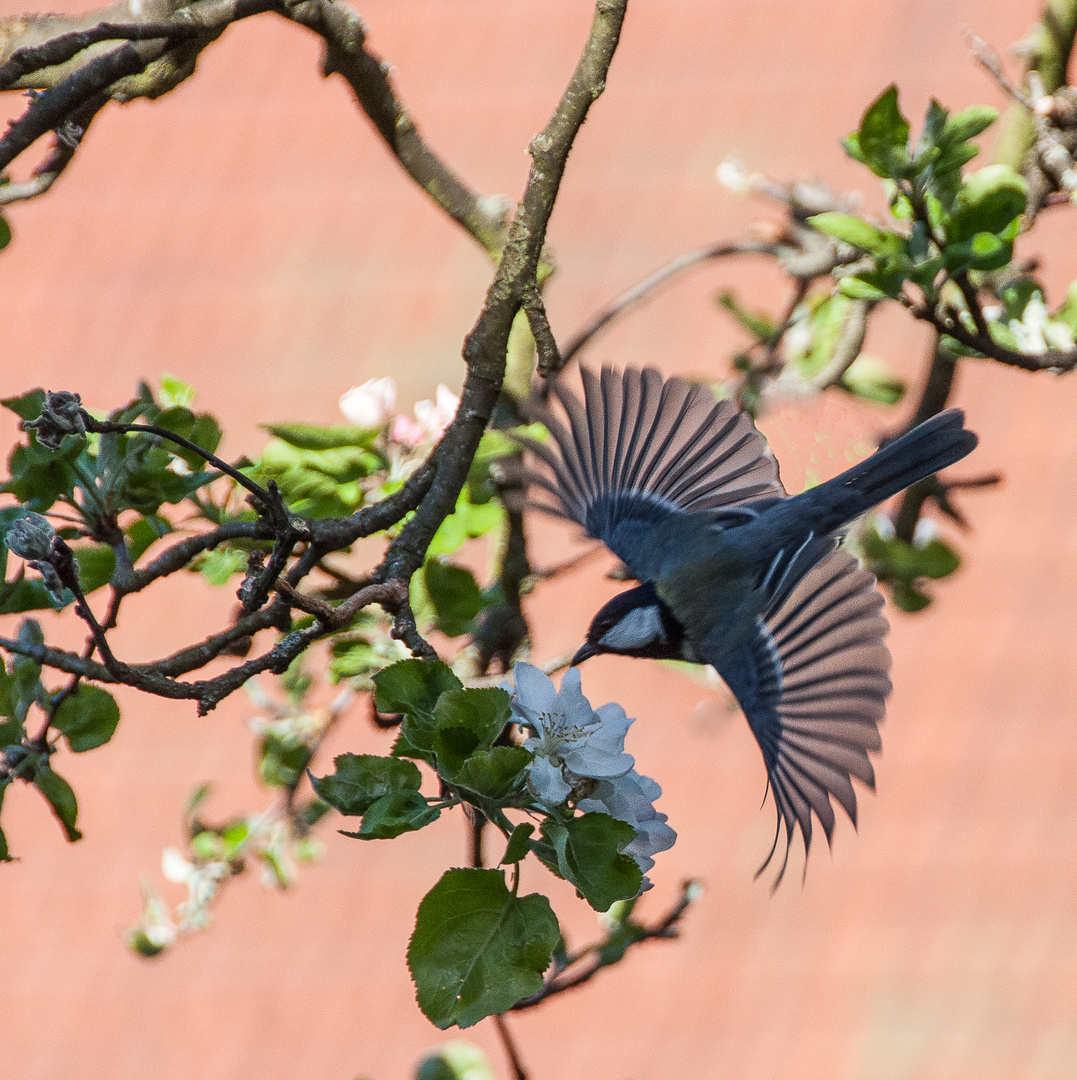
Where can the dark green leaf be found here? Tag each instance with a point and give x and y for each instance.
(518, 845)
(393, 814)
(26, 406)
(589, 855)
(883, 137)
(144, 532)
(5, 239)
(455, 594)
(87, 718)
(908, 597)
(467, 720)
(936, 559)
(60, 797)
(24, 594)
(932, 131)
(96, 565)
(494, 773)
(361, 779)
(412, 687)
(478, 949)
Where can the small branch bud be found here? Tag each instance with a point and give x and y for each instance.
(30, 537)
(60, 416)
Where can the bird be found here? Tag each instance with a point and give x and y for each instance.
(734, 572)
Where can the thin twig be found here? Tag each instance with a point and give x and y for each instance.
(665, 929)
(655, 281)
(507, 1041)
(990, 61)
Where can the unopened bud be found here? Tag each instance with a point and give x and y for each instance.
(30, 537)
(61, 415)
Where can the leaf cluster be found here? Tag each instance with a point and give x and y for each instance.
(478, 947)
(954, 222)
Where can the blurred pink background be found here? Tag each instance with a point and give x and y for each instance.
(250, 234)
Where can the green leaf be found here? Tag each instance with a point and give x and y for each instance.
(393, 814)
(281, 760)
(519, 844)
(494, 773)
(967, 124)
(858, 233)
(883, 137)
(465, 721)
(412, 687)
(5, 239)
(361, 779)
(174, 391)
(26, 406)
(96, 565)
(455, 594)
(758, 323)
(478, 949)
(88, 718)
(858, 287)
(220, 565)
(936, 559)
(908, 597)
(872, 380)
(311, 437)
(1066, 313)
(60, 797)
(144, 532)
(455, 1061)
(469, 520)
(589, 855)
(990, 200)
(5, 853)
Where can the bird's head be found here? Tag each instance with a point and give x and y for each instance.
(634, 623)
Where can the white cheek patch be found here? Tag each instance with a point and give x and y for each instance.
(637, 629)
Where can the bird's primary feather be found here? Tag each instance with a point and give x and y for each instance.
(685, 491)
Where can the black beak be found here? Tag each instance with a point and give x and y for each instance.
(585, 651)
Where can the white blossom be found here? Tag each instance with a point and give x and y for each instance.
(731, 174)
(631, 798)
(435, 416)
(570, 740)
(1037, 331)
(175, 867)
(369, 404)
(577, 748)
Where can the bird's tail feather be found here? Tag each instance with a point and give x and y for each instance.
(928, 448)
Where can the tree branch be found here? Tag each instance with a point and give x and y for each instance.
(485, 348)
(655, 281)
(344, 33)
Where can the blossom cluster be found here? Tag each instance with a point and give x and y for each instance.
(371, 404)
(579, 754)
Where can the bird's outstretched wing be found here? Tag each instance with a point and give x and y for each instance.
(813, 684)
(639, 448)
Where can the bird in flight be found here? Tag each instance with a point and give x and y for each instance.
(736, 573)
